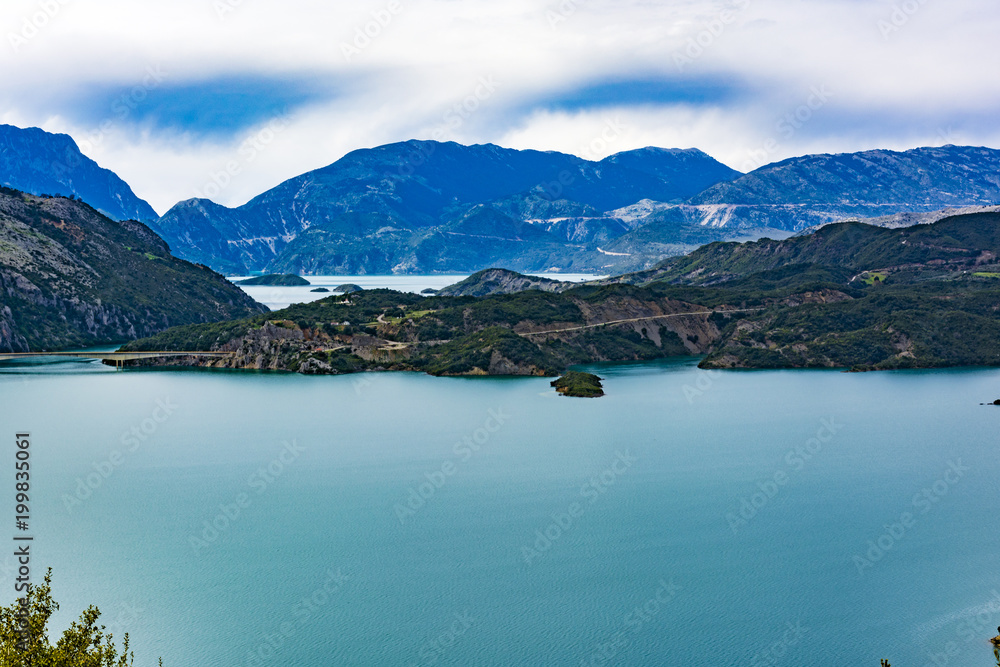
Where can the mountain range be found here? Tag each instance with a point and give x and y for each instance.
(430, 207)
(427, 207)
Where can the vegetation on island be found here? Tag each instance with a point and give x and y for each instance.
(276, 280)
(580, 385)
(84, 644)
(500, 281)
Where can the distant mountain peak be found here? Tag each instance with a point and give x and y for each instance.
(442, 206)
(687, 170)
(39, 162)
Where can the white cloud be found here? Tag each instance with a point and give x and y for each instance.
(898, 86)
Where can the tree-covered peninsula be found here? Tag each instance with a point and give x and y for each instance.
(847, 296)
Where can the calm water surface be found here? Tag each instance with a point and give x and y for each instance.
(277, 298)
(688, 518)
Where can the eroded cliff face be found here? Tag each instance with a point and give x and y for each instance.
(654, 317)
(42, 312)
(10, 341)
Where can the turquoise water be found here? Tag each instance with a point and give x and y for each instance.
(647, 559)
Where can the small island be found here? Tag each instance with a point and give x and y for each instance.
(579, 385)
(276, 280)
(320, 289)
(349, 288)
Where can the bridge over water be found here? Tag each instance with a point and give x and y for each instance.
(118, 357)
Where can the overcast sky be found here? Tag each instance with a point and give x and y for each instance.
(174, 94)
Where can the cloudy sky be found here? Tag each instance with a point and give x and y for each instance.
(179, 97)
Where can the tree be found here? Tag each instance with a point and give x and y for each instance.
(83, 644)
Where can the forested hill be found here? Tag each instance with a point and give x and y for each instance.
(955, 244)
(848, 296)
(72, 277)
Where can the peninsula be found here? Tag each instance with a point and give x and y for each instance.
(849, 295)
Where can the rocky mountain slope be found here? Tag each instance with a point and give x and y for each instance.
(429, 207)
(867, 298)
(958, 243)
(38, 162)
(72, 277)
(919, 179)
(423, 206)
(882, 187)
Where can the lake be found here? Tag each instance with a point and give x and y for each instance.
(277, 298)
(687, 518)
